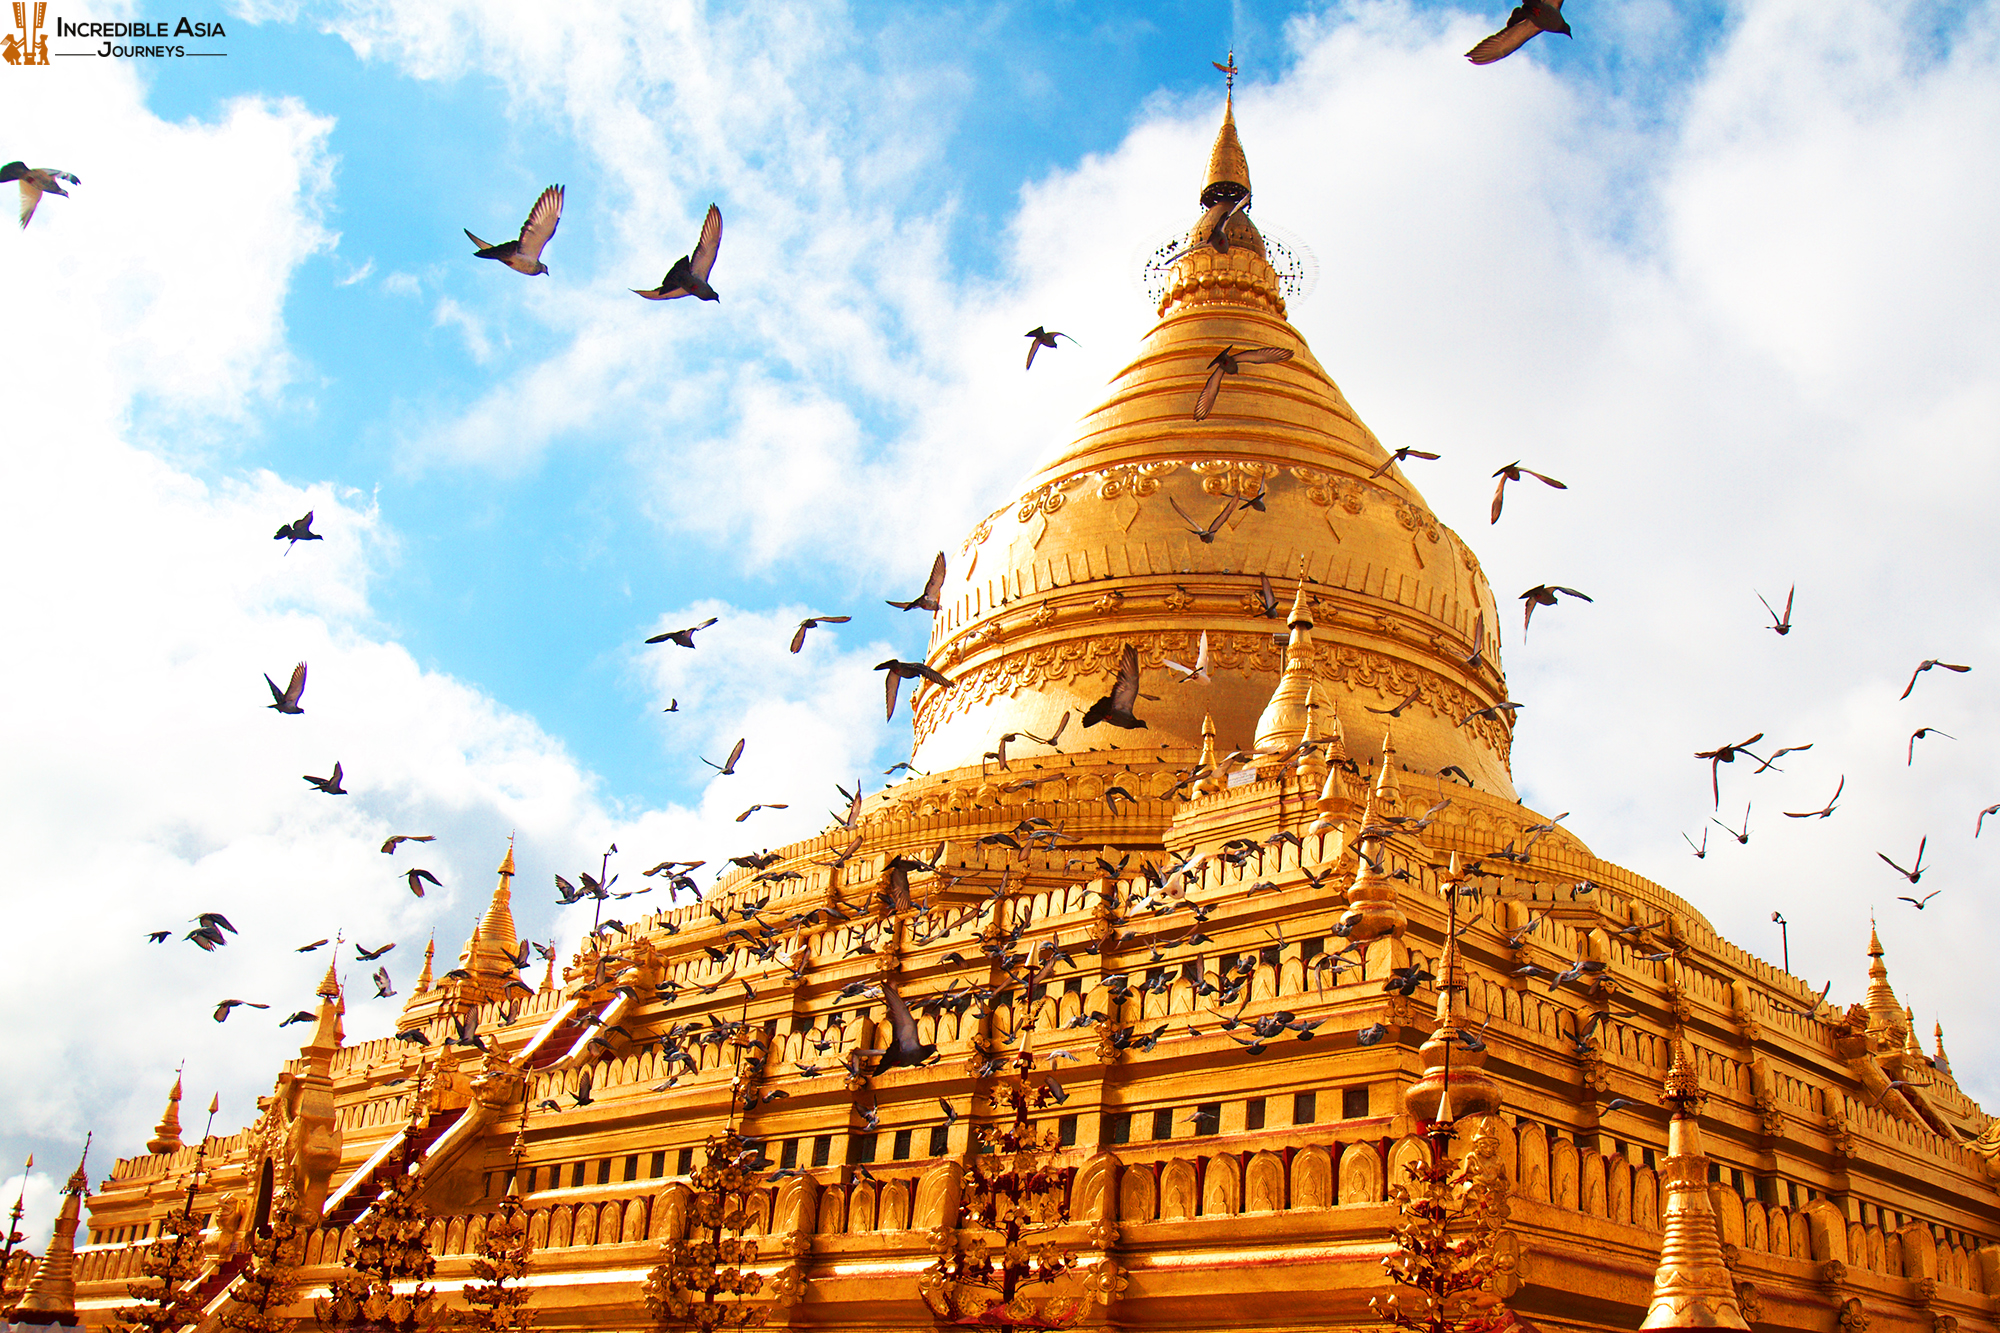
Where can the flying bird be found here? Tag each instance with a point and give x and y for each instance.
(298, 530)
(683, 637)
(1725, 754)
(1742, 838)
(728, 768)
(1206, 535)
(1544, 594)
(160, 936)
(330, 785)
(524, 255)
(1825, 810)
(673, 706)
(287, 699)
(1397, 457)
(901, 671)
(928, 599)
(1397, 711)
(1918, 903)
(906, 1046)
(1038, 338)
(779, 805)
(419, 877)
(299, 1016)
(1229, 361)
(384, 988)
(1924, 666)
(1780, 624)
(1528, 19)
(1699, 852)
(389, 847)
(1514, 472)
(999, 752)
(1199, 671)
(35, 182)
(308, 948)
(1919, 734)
(689, 274)
(1493, 712)
(222, 1010)
(1980, 822)
(1116, 707)
(1916, 870)
(370, 955)
(812, 622)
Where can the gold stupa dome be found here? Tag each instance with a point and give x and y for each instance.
(1097, 552)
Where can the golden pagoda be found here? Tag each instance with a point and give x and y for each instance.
(1257, 982)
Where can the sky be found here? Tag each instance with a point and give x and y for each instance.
(1726, 269)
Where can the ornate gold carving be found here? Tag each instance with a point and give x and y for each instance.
(1109, 603)
(1330, 489)
(1842, 1135)
(1241, 478)
(1853, 1318)
(1750, 1301)
(1180, 599)
(1046, 498)
(1135, 479)
(1832, 1273)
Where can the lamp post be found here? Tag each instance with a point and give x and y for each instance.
(1784, 939)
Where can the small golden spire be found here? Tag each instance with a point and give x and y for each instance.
(1228, 168)
(1371, 903)
(1312, 763)
(1885, 1011)
(507, 866)
(1455, 1082)
(1388, 787)
(1211, 781)
(424, 979)
(1283, 722)
(1692, 1287)
(329, 985)
(167, 1134)
(51, 1295)
(1941, 1060)
(549, 974)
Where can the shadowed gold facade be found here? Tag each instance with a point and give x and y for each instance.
(1838, 1181)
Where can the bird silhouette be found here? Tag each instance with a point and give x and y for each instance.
(223, 1010)
(1229, 361)
(1199, 671)
(689, 274)
(370, 955)
(814, 622)
(1910, 757)
(1780, 624)
(1924, 666)
(287, 699)
(1527, 20)
(1980, 822)
(1725, 754)
(397, 840)
(1514, 472)
(1544, 594)
(1824, 810)
(683, 637)
(384, 988)
(35, 182)
(330, 785)
(928, 599)
(524, 255)
(1116, 707)
(1205, 535)
(726, 768)
(1038, 338)
(900, 672)
(418, 877)
(1918, 903)
(1399, 456)
(1916, 870)
(298, 530)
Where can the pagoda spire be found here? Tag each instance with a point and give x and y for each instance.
(1371, 903)
(51, 1294)
(328, 1034)
(1885, 1011)
(1283, 724)
(424, 979)
(1691, 1287)
(1211, 781)
(1941, 1060)
(1455, 1082)
(489, 954)
(167, 1134)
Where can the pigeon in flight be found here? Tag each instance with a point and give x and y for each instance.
(418, 877)
(222, 1010)
(1038, 338)
(1229, 361)
(397, 840)
(727, 769)
(1514, 472)
(1780, 625)
(1398, 457)
(330, 785)
(1924, 666)
(1528, 19)
(35, 182)
(928, 600)
(287, 699)
(525, 255)
(683, 637)
(1116, 707)
(814, 622)
(1199, 671)
(900, 672)
(1544, 594)
(384, 988)
(370, 955)
(298, 530)
(689, 274)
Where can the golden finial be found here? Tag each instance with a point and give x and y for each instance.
(1228, 72)
(79, 1180)
(1211, 781)
(1228, 168)
(167, 1134)
(1692, 1286)
(1682, 1087)
(507, 866)
(329, 985)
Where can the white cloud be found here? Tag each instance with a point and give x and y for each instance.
(402, 284)
(472, 329)
(358, 275)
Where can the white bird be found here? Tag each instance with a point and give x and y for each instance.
(35, 182)
(1199, 671)
(525, 255)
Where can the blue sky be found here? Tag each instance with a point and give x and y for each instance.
(1725, 269)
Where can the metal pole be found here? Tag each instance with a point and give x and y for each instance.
(1784, 939)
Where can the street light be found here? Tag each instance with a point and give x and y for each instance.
(1784, 939)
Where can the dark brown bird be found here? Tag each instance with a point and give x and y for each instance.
(370, 955)
(683, 637)
(1116, 707)
(1924, 666)
(1493, 712)
(1742, 837)
(524, 254)
(928, 599)
(300, 1016)
(1008, 738)
(689, 274)
(1919, 903)
(767, 805)
(814, 622)
(1528, 19)
(1919, 734)
(1205, 534)
(222, 1010)
(397, 840)
(1397, 711)
(1780, 624)
(1038, 338)
(1544, 594)
(308, 948)
(1980, 822)
(1478, 653)
(1399, 456)
(1229, 361)
(728, 768)
(1514, 472)
(900, 672)
(419, 877)
(1725, 754)
(287, 699)
(1916, 870)
(330, 785)
(1827, 809)
(1268, 605)
(160, 936)
(298, 530)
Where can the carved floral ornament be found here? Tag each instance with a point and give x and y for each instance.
(1223, 477)
(1356, 669)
